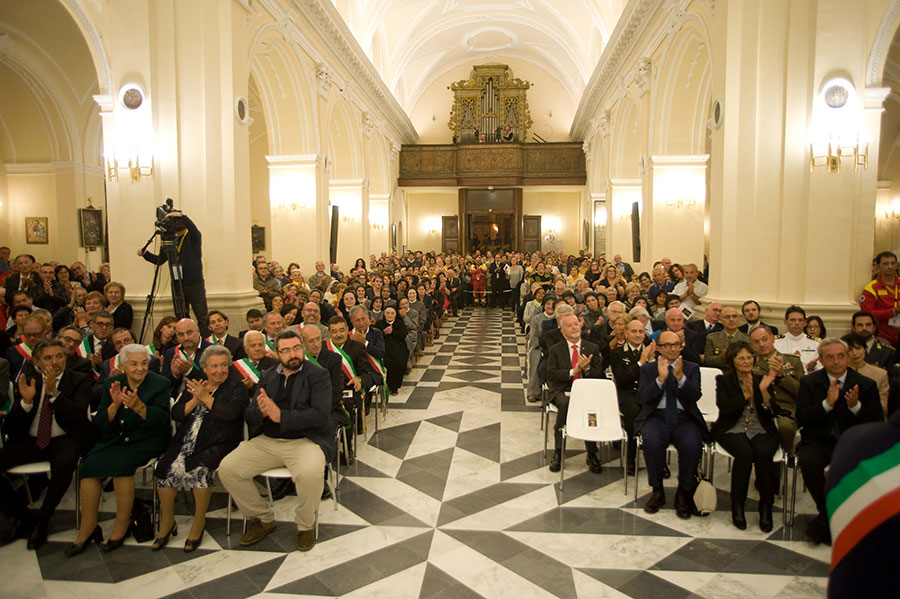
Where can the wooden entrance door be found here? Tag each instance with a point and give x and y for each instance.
(531, 234)
(450, 234)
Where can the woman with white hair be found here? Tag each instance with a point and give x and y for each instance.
(133, 419)
(210, 417)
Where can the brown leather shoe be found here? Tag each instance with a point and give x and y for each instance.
(257, 531)
(306, 539)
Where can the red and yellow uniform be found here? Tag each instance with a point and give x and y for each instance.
(882, 300)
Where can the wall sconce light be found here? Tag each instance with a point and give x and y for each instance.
(293, 206)
(377, 226)
(679, 203)
(135, 170)
(831, 158)
(835, 122)
(894, 214)
(624, 217)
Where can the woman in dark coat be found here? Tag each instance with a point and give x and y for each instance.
(395, 351)
(746, 429)
(210, 414)
(133, 419)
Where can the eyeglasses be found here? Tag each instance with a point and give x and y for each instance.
(65, 339)
(298, 349)
(103, 325)
(668, 345)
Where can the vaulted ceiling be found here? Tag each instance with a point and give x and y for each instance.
(416, 43)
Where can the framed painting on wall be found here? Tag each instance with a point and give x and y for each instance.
(258, 238)
(91, 221)
(36, 229)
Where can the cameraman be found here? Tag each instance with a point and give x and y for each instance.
(188, 242)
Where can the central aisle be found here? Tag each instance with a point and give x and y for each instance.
(450, 500)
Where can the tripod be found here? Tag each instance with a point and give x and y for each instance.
(168, 253)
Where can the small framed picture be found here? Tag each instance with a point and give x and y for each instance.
(36, 229)
(591, 419)
(258, 238)
(91, 227)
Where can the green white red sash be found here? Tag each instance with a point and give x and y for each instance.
(346, 362)
(270, 345)
(247, 369)
(114, 363)
(24, 350)
(215, 340)
(152, 349)
(311, 359)
(84, 348)
(185, 355)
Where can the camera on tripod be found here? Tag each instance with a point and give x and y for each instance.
(167, 226)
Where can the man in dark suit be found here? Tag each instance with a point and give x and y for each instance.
(626, 361)
(100, 346)
(47, 421)
(693, 343)
(567, 361)
(71, 338)
(217, 322)
(354, 363)
(183, 360)
(750, 311)
(829, 402)
(290, 426)
(330, 361)
(669, 388)
(371, 338)
(24, 279)
(710, 321)
(33, 331)
(48, 292)
(255, 360)
(499, 273)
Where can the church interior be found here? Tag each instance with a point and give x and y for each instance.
(760, 138)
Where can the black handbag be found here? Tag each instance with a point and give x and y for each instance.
(142, 521)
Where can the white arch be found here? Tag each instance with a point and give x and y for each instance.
(881, 46)
(94, 43)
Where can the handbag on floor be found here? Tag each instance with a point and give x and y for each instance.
(142, 521)
(705, 497)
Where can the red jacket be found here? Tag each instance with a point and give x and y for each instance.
(881, 300)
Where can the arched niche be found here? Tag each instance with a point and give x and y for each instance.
(683, 94)
(343, 142)
(625, 141)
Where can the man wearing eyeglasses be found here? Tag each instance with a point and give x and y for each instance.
(71, 338)
(290, 426)
(33, 332)
(101, 347)
(669, 389)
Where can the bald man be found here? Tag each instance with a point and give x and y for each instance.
(692, 343)
(182, 361)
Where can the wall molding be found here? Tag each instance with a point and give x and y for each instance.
(45, 168)
(881, 46)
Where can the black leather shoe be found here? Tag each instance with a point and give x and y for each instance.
(667, 474)
(20, 529)
(737, 515)
(113, 545)
(76, 548)
(817, 531)
(555, 462)
(38, 537)
(593, 462)
(682, 505)
(629, 468)
(656, 501)
(765, 517)
(160, 542)
(190, 545)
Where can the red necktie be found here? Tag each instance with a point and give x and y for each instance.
(45, 424)
(575, 361)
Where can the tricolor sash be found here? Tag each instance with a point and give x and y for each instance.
(247, 369)
(84, 348)
(215, 340)
(346, 362)
(152, 349)
(24, 350)
(185, 355)
(270, 345)
(113, 363)
(377, 364)
(311, 359)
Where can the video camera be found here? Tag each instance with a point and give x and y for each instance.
(167, 226)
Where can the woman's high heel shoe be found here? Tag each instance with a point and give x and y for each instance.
(160, 542)
(191, 545)
(113, 545)
(76, 548)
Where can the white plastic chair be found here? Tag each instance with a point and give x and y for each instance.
(594, 398)
(24, 470)
(707, 402)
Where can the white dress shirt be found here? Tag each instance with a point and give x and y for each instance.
(55, 429)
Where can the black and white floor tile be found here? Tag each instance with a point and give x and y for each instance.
(449, 500)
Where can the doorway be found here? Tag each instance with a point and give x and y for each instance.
(492, 219)
(492, 231)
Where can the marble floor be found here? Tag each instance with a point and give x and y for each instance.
(449, 500)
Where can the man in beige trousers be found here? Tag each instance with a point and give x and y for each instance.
(290, 427)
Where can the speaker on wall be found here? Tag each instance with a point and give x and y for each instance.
(335, 219)
(635, 233)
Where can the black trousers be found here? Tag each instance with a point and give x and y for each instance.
(195, 296)
(62, 453)
(687, 437)
(748, 453)
(813, 460)
(630, 408)
(561, 401)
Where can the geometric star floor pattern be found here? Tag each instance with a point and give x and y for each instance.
(449, 500)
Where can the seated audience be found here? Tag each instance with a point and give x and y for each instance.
(830, 401)
(318, 354)
(856, 354)
(750, 311)
(290, 426)
(815, 328)
(217, 323)
(121, 310)
(795, 342)
(133, 419)
(626, 361)
(163, 336)
(210, 417)
(71, 339)
(47, 421)
(717, 343)
(395, 352)
(878, 351)
(689, 290)
(669, 389)
(746, 429)
(789, 371)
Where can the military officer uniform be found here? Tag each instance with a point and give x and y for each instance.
(880, 353)
(784, 392)
(803, 346)
(716, 344)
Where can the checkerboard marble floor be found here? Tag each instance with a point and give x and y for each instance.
(449, 500)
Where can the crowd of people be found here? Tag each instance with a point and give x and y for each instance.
(328, 347)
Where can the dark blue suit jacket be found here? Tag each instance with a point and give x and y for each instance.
(650, 394)
(375, 348)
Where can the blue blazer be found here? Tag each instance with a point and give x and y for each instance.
(375, 348)
(650, 394)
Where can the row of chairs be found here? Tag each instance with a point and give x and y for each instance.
(594, 416)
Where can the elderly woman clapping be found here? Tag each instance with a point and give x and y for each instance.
(133, 419)
(210, 414)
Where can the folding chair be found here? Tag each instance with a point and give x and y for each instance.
(780, 456)
(594, 416)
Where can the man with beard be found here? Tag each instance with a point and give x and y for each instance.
(878, 351)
